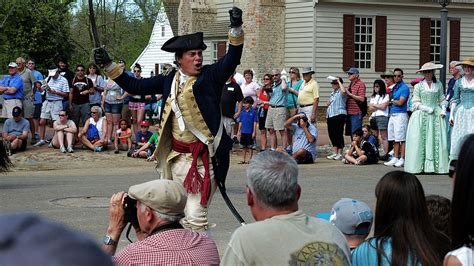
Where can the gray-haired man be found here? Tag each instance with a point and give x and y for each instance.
(282, 234)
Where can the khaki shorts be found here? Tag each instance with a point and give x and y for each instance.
(51, 109)
(28, 108)
(276, 118)
(8, 106)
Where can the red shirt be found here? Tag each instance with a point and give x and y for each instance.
(172, 247)
(263, 96)
(358, 89)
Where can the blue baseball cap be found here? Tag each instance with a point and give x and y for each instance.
(353, 70)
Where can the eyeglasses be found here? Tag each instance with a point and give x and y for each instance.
(80, 70)
(62, 115)
(31, 63)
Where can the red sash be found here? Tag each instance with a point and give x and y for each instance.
(194, 182)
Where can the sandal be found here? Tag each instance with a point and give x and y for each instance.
(242, 162)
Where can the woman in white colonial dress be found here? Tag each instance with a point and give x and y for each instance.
(426, 144)
(462, 111)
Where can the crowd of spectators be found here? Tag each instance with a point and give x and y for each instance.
(73, 105)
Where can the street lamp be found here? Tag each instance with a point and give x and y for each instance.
(444, 40)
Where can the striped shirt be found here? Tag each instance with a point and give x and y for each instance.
(171, 247)
(59, 84)
(337, 104)
(358, 89)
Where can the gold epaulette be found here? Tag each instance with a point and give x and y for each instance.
(113, 70)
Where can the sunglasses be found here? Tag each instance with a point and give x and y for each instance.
(292, 72)
(398, 76)
(334, 83)
(93, 113)
(276, 75)
(143, 126)
(62, 115)
(136, 71)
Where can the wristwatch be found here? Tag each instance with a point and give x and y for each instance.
(107, 240)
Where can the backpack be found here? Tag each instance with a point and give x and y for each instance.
(92, 133)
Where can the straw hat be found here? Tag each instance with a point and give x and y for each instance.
(430, 66)
(467, 62)
(307, 70)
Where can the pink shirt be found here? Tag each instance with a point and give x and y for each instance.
(250, 90)
(171, 247)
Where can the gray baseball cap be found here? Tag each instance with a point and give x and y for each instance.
(351, 217)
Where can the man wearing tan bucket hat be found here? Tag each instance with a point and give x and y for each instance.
(462, 113)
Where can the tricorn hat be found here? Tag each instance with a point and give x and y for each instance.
(184, 43)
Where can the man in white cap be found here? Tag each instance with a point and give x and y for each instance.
(308, 95)
(56, 87)
(11, 88)
(162, 240)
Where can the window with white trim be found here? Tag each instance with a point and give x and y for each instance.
(364, 36)
(435, 46)
(162, 31)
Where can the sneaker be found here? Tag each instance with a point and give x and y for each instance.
(400, 163)
(332, 157)
(40, 143)
(70, 149)
(338, 157)
(62, 149)
(37, 137)
(116, 152)
(50, 145)
(385, 157)
(392, 162)
(98, 149)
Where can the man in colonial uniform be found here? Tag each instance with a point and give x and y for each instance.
(192, 148)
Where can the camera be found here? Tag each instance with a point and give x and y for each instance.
(130, 211)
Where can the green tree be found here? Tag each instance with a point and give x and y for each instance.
(34, 28)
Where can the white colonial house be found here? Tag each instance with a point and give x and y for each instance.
(333, 35)
(152, 57)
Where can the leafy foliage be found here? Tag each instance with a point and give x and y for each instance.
(43, 29)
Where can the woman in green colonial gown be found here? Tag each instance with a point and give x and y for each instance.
(426, 145)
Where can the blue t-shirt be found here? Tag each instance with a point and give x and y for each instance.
(37, 74)
(278, 96)
(140, 137)
(301, 141)
(366, 254)
(16, 82)
(11, 127)
(247, 119)
(400, 90)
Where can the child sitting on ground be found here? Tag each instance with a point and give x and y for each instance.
(247, 128)
(361, 151)
(123, 140)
